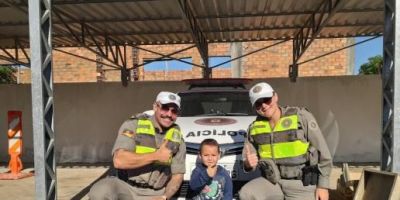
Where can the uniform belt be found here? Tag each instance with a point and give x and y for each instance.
(294, 178)
(140, 185)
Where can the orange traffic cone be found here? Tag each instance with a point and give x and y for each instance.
(14, 147)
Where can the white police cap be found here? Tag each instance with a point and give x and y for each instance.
(168, 97)
(260, 90)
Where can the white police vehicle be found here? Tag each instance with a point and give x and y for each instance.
(219, 109)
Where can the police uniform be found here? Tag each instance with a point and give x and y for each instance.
(147, 181)
(294, 142)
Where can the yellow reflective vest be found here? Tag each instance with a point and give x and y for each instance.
(282, 143)
(145, 137)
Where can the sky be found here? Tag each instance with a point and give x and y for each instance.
(176, 65)
(366, 50)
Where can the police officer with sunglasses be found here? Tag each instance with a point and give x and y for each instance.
(149, 155)
(287, 146)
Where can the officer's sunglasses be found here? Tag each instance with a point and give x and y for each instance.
(259, 102)
(168, 107)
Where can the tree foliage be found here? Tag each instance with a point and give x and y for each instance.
(373, 66)
(7, 75)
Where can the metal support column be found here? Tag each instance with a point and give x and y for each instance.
(135, 64)
(313, 26)
(42, 98)
(236, 67)
(390, 159)
(125, 72)
(101, 76)
(198, 36)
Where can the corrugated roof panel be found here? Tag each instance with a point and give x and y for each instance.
(153, 21)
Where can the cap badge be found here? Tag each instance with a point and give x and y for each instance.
(172, 97)
(257, 89)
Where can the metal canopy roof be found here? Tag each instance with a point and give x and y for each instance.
(108, 22)
(163, 21)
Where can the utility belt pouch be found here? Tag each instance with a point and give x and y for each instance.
(291, 172)
(269, 170)
(313, 156)
(160, 177)
(154, 177)
(310, 175)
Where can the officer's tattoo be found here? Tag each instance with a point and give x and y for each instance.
(173, 185)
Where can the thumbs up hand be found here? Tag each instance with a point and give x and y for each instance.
(251, 158)
(163, 153)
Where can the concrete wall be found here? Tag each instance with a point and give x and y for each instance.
(88, 115)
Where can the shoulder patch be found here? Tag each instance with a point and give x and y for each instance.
(304, 109)
(313, 124)
(291, 111)
(140, 116)
(128, 133)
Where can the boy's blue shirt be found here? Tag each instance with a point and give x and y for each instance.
(218, 187)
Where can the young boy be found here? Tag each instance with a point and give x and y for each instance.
(209, 180)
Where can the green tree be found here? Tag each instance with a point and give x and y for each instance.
(373, 66)
(7, 75)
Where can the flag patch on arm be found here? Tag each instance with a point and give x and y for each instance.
(128, 133)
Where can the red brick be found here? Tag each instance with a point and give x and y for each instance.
(272, 62)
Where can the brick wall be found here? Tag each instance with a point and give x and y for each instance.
(271, 62)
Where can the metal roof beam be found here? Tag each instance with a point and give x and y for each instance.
(85, 58)
(81, 39)
(58, 42)
(215, 31)
(73, 2)
(249, 53)
(230, 30)
(110, 45)
(135, 19)
(295, 13)
(163, 56)
(13, 61)
(167, 56)
(15, 58)
(337, 50)
(197, 34)
(22, 7)
(18, 45)
(312, 27)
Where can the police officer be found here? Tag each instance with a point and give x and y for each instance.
(149, 154)
(286, 144)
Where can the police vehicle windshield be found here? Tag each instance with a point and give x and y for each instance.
(215, 104)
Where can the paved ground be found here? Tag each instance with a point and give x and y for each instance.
(73, 182)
